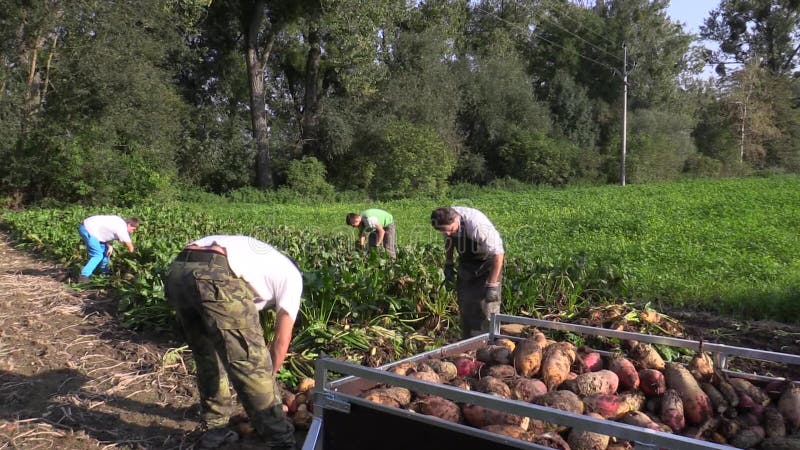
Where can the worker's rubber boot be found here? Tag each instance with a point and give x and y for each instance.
(275, 429)
(217, 437)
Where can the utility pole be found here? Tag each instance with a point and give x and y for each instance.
(748, 90)
(624, 112)
(741, 146)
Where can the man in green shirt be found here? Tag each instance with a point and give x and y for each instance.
(379, 226)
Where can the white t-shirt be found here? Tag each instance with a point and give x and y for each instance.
(273, 276)
(107, 228)
(480, 230)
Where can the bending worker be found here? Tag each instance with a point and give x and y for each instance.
(480, 264)
(97, 232)
(217, 285)
(379, 226)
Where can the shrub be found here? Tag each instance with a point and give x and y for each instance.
(306, 177)
(536, 158)
(250, 194)
(192, 194)
(509, 184)
(413, 161)
(471, 168)
(702, 166)
(659, 144)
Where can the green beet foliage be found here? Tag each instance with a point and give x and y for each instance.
(728, 246)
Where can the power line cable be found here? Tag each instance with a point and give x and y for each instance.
(561, 8)
(538, 36)
(557, 24)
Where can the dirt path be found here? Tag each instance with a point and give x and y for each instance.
(72, 378)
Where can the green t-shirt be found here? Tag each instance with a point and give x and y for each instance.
(371, 218)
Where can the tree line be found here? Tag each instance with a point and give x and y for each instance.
(113, 101)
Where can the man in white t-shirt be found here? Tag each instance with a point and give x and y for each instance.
(480, 264)
(217, 285)
(97, 232)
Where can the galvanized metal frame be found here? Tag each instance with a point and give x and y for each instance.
(644, 438)
(327, 393)
(719, 353)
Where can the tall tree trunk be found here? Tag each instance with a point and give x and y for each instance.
(311, 102)
(257, 53)
(32, 36)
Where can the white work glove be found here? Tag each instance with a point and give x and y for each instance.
(109, 249)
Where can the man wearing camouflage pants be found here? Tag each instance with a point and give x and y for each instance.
(217, 285)
(480, 264)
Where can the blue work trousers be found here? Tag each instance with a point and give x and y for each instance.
(98, 253)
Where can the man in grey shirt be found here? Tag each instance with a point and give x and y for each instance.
(480, 264)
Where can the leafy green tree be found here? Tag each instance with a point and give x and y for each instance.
(306, 177)
(412, 160)
(575, 61)
(702, 166)
(325, 57)
(416, 67)
(657, 49)
(716, 132)
(422, 46)
(587, 43)
(497, 98)
(258, 28)
(233, 74)
(750, 90)
(573, 111)
(28, 42)
(756, 30)
(111, 115)
(784, 150)
(659, 144)
(219, 155)
(534, 157)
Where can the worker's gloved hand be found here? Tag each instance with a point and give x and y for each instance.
(490, 308)
(492, 294)
(449, 273)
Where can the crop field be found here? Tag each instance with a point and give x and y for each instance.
(728, 245)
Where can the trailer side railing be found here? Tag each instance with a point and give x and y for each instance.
(339, 393)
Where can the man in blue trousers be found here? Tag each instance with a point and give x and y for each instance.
(97, 233)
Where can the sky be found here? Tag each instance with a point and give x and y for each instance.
(691, 12)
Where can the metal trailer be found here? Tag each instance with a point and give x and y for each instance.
(344, 421)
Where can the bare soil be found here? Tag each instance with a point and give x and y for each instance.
(72, 377)
(759, 334)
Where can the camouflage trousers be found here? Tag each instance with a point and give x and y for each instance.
(219, 321)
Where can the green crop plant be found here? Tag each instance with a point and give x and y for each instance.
(722, 245)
